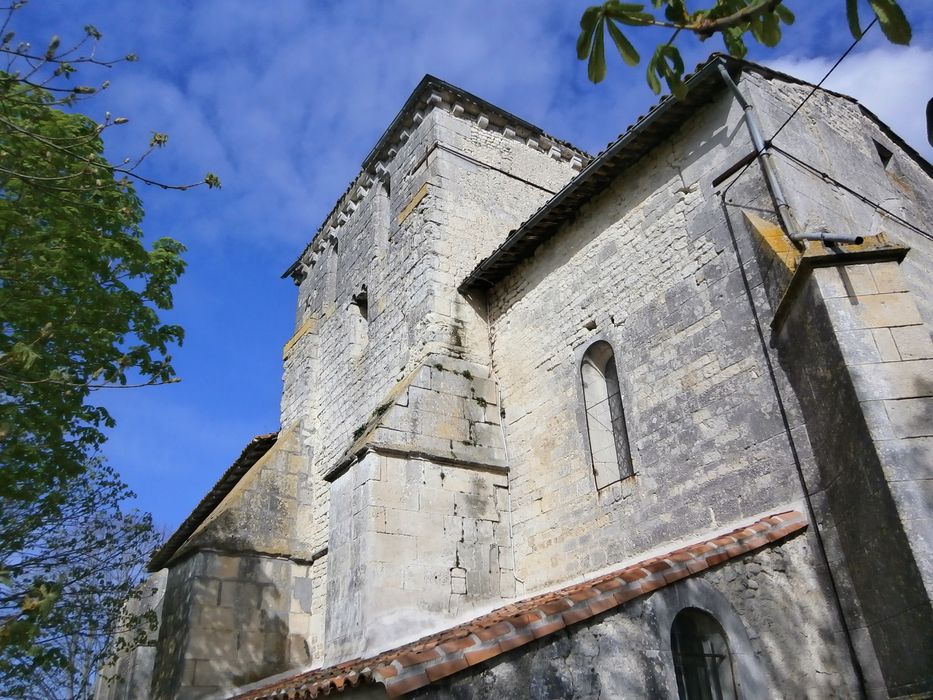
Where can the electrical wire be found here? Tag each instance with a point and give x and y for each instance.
(800, 106)
(829, 178)
(820, 84)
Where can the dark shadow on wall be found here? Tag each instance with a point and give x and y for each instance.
(225, 624)
(782, 641)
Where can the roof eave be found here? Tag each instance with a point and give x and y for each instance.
(479, 277)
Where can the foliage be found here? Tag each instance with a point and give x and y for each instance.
(734, 20)
(71, 560)
(80, 298)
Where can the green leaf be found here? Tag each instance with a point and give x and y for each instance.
(596, 68)
(767, 30)
(587, 27)
(787, 17)
(676, 11)
(628, 13)
(893, 22)
(852, 17)
(653, 82)
(735, 44)
(626, 50)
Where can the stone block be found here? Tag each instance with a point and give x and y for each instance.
(464, 480)
(888, 277)
(487, 434)
(858, 280)
(907, 459)
(397, 496)
(887, 348)
(273, 596)
(877, 420)
(302, 593)
(398, 471)
(477, 507)
(893, 380)
(217, 618)
(210, 644)
(222, 566)
(418, 577)
(446, 382)
(205, 591)
(911, 417)
(385, 547)
(433, 500)
(441, 546)
(239, 594)
(877, 311)
(207, 675)
(913, 342)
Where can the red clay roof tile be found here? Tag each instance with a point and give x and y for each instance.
(437, 656)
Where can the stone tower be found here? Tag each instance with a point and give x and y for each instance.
(559, 426)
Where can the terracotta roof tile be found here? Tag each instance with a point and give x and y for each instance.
(424, 661)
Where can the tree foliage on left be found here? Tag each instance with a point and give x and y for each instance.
(80, 299)
(72, 561)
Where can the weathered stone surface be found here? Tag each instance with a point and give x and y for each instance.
(435, 458)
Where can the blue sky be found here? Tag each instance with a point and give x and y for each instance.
(284, 99)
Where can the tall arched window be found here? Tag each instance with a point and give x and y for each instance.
(702, 662)
(605, 416)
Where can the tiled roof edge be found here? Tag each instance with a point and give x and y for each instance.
(667, 114)
(251, 454)
(420, 663)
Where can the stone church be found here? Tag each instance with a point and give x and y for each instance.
(655, 423)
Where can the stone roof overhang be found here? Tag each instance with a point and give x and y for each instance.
(662, 120)
(251, 454)
(432, 658)
(429, 92)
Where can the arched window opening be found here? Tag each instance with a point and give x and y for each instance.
(702, 662)
(605, 416)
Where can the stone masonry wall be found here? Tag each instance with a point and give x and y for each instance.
(129, 676)
(834, 136)
(402, 234)
(226, 622)
(419, 544)
(858, 355)
(769, 604)
(419, 523)
(648, 266)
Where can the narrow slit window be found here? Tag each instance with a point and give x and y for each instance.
(359, 309)
(605, 416)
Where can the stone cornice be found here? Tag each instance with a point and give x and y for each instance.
(431, 93)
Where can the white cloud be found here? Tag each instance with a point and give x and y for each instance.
(892, 82)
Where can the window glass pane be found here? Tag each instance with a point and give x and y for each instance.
(702, 662)
(605, 415)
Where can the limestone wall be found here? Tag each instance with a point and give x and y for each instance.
(659, 266)
(442, 197)
(129, 676)
(832, 135)
(648, 266)
(229, 620)
(769, 604)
